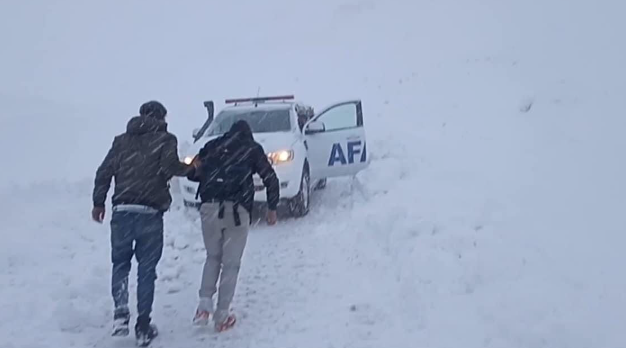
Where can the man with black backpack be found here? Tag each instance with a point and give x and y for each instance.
(224, 169)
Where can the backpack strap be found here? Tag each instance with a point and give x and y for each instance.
(220, 214)
(236, 214)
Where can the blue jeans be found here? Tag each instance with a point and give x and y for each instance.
(145, 231)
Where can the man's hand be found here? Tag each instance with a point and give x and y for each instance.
(196, 163)
(272, 218)
(97, 214)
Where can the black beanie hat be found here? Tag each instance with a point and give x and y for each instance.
(153, 109)
(242, 129)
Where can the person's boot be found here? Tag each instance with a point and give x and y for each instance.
(121, 318)
(203, 313)
(201, 318)
(224, 320)
(145, 332)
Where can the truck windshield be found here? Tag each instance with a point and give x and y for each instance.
(261, 121)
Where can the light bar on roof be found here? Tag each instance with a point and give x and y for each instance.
(259, 99)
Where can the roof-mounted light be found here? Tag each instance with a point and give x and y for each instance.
(258, 100)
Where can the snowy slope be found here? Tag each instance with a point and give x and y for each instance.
(492, 214)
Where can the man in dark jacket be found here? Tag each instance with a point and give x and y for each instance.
(142, 161)
(224, 169)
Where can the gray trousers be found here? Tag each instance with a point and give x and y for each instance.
(224, 243)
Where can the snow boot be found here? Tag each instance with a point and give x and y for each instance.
(145, 332)
(121, 318)
(226, 324)
(120, 327)
(203, 313)
(201, 318)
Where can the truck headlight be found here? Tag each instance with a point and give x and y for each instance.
(282, 156)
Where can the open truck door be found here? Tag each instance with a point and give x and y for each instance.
(336, 141)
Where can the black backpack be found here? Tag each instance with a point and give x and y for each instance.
(224, 173)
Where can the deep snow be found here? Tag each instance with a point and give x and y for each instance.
(492, 214)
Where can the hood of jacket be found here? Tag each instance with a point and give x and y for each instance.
(145, 124)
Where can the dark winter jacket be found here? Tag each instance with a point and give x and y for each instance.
(142, 161)
(250, 155)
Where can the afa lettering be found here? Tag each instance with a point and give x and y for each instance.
(364, 153)
(354, 149)
(336, 154)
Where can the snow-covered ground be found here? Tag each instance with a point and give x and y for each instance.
(492, 214)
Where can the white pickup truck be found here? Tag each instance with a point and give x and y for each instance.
(304, 148)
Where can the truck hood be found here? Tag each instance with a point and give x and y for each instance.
(270, 141)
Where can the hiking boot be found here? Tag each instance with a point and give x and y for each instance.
(201, 318)
(145, 333)
(121, 318)
(120, 327)
(226, 324)
(203, 313)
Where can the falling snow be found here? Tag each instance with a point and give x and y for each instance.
(492, 214)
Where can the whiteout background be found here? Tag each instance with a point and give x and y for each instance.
(476, 225)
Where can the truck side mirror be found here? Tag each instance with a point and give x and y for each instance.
(315, 127)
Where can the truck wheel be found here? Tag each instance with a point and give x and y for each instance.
(321, 184)
(299, 205)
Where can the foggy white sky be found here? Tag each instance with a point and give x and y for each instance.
(182, 52)
(92, 63)
(122, 52)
